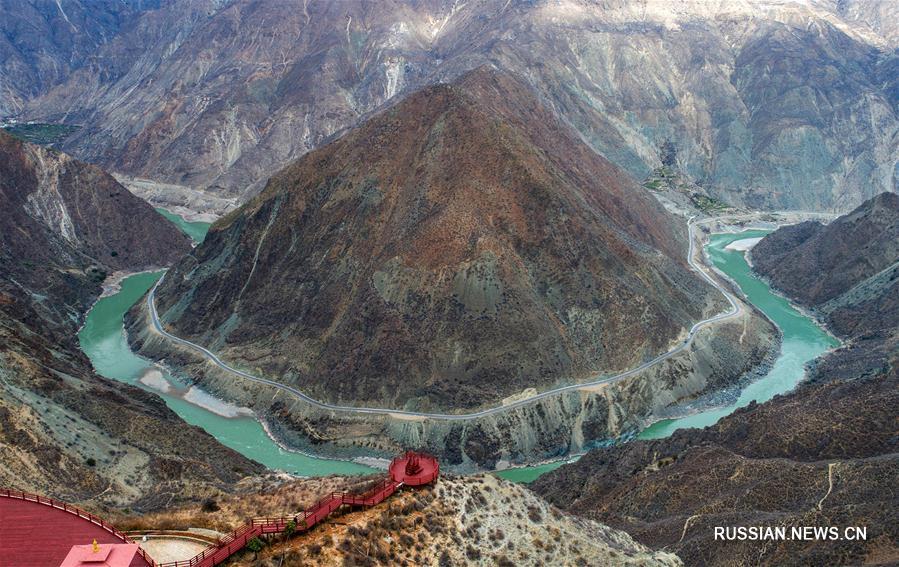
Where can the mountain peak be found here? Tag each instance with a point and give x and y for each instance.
(455, 249)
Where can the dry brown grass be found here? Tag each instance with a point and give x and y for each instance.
(459, 521)
(272, 496)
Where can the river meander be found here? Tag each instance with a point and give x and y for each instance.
(103, 339)
(803, 341)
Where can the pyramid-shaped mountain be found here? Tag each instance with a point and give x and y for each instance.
(457, 248)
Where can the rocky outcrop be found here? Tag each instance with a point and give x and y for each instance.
(766, 104)
(451, 252)
(65, 431)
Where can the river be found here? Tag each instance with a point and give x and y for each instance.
(103, 339)
(194, 229)
(803, 341)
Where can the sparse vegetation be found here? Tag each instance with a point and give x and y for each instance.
(290, 528)
(708, 204)
(663, 178)
(428, 526)
(44, 134)
(255, 545)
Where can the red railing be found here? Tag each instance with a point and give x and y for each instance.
(237, 539)
(421, 481)
(231, 543)
(65, 507)
(324, 507)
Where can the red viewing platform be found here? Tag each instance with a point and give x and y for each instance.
(40, 532)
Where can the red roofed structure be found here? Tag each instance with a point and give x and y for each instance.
(101, 555)
(40, 532)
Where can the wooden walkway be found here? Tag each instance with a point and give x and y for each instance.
(411, 469)
(39, 532)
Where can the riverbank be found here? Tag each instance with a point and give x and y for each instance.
(584, 412)
(103, 339)
(325, 430)
(743, 245)
(193, 204)
(803, 339)
(708, 409)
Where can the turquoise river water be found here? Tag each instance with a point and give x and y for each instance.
(194, 229)
(803, 341)
(103, 339)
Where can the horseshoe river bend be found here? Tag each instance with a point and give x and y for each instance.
(103, 339)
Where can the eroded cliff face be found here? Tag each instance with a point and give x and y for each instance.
(719, 361)
(773, 105)
(65, 431)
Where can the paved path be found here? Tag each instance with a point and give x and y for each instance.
(170, 549)
(734, 310)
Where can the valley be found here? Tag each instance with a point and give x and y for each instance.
(102, 338)
(65, 430)
(819, 453)
(448, 282)
(508, 339)
(803, 341)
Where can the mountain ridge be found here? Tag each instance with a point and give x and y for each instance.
(65, 431)
(727, 85)
(404, 248)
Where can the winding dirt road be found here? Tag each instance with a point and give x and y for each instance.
(734, 310)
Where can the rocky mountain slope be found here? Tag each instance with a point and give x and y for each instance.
(223, 94)
(848, 273)
(64, 431)
(785, 104)
(43, 41)
(823, 455)
(834, 267)
(461, 521)
(455, 249)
